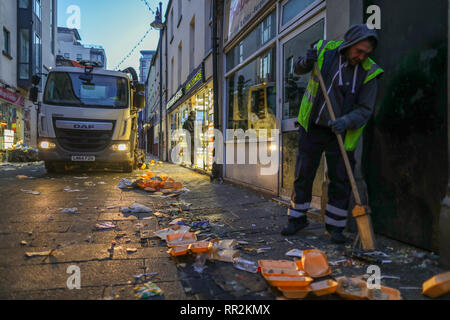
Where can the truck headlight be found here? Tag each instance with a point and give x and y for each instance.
(46, 145)
(120, 147)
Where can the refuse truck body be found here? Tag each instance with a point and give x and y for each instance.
(88, 116)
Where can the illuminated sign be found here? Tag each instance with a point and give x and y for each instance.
(198, 77)
(175, 98)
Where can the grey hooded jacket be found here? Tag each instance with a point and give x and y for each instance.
(350, 97)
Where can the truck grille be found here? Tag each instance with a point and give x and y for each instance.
(83, 140)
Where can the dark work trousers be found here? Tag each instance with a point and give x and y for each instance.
(311, 145)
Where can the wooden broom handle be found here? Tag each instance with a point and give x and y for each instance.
(339, 137)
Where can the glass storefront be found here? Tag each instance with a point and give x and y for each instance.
(11, 125)
(202, 103)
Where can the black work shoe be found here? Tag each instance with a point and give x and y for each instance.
(294, 226)
(338, 237)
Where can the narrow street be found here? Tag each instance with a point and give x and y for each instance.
(34, 223)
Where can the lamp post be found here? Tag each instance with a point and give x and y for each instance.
(158, 24)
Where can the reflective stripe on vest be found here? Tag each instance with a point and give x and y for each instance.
(352, 136)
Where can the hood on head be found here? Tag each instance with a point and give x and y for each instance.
(357, 33)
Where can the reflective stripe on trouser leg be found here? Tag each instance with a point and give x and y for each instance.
(295, 213)
(298, 210)
(335, 217)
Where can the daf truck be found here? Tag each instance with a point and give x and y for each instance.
(88, 116)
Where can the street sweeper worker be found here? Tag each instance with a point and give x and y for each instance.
(350, 78)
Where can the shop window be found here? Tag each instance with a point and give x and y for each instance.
(294, 7)
(252, 95)
(295, 85)
(37, 8)
(24, 54)
(259, 37)
(37, 54)
(24, 4)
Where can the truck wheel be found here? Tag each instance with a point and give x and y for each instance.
(50, 167)
(127, 168)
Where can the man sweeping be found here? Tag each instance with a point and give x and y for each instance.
(350, 77)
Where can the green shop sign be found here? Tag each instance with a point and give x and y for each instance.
(177, 96)
(197, 78)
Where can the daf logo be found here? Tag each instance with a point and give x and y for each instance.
(83, 126)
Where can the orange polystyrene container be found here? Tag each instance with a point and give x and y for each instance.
(150, 174)
(178, 251)
(279, 268)
(314, 262)
(177, 186)
(288, 281)
(324, 287)
(437, 285)
(174, 239)
(163, 177)
(155, 184)
(200, 246)
(295, 293)
(347, 293)
(387, 294)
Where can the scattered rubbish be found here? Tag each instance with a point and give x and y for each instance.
(245, 265)
(69, 210)
(80, 178)
(136, 208)
(149, 274)
(131, 250)
(177, 239)
(147, 290)
(353, 289)
(23, 177)
(410, 288)
(437, 285)
(390, 277)
(201, 224)
(23, 243)
(226, 255)
(384, 293)
(324, 287)
(295, 253)
(335, 263)
(227, 244)
(85, 198)
(369, 257)
(314, 262)
(105, 226)
(262, 250)
(125, 184)
(145, 234)
(38, 254)
(290, 242)
(111, 207)
(68, 189)
(101, 182)
(30, 192)
(200, 246)
(295, 292)
(199, 264)
(163, 233)
(178, 250)
(178, 221)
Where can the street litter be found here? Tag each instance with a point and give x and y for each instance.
(201, 224)
(290, 242)
(245, 265)
(105, 226)
(89, 184)
(38, 254)
(178, 221)
(437, 285)
(163, 233)
(68, 189)
(31, 192)
(111, 207)
(69, 210)
(136, 208)
(85, 198)
(390, 277)
(150, 274)
(23, 177)
(335, 263)
(125, 184)
(23, 243)
(101, 182)
(262, 250)
(199, 264)
(315, 263)
(131, 250)
(147, 290)
(81, 178)
(295, 253)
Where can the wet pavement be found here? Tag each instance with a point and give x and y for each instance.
(34, 223)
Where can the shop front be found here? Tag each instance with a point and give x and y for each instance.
(195, 96)
(262, 41)
(12, 120)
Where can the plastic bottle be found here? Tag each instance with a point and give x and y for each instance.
(245, 265)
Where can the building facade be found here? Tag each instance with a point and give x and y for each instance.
(28, 49)
(144, 64)
(70, 47)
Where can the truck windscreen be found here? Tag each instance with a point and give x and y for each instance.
(73, 89)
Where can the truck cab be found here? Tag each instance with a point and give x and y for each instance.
(89, 116)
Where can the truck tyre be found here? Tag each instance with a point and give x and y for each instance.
(50, 167)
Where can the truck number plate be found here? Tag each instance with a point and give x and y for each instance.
(83, 158)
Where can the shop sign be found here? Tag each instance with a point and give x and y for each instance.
(197, 78)
(239, 13)
(177, 96)
(12, 97)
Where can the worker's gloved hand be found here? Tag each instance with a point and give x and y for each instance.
(311, 56)
(339, 126)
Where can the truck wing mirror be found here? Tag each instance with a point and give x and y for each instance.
(140, 87)
(34, 92)
(139, 101)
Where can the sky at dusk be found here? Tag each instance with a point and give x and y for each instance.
(116, 25)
